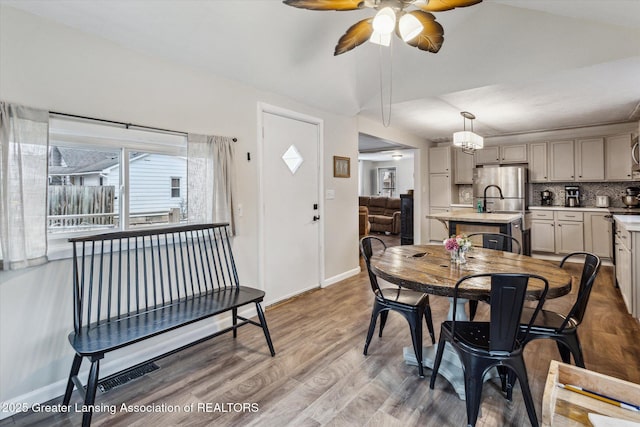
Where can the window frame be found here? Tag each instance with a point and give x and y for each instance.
(58, 245)
(179, 187)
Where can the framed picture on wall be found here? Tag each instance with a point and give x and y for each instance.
(341, 167)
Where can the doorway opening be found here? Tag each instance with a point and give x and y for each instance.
(386, 178)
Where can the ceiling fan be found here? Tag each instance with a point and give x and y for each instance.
(417, 27)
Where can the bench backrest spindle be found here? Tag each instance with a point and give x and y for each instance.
(119, 274)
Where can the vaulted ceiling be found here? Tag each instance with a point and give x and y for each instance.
(518, 65)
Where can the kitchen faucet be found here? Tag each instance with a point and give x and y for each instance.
(484, 196)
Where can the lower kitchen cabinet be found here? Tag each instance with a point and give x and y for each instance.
(563, 231)
(627, 273)
(569, 236)
(543, 236)
(597, 234)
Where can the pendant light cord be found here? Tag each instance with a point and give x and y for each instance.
(386, 122)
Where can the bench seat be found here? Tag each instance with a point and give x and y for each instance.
(129, 286)
(101, 338)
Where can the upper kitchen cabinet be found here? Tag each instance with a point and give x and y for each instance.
(502, 154)
(561, 166)
(439, 160)
(618, 158)
(513, 153)
(588, 161)
(488, 156)
(538, 168)
(463, 167)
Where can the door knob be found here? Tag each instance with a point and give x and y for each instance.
(316, 217)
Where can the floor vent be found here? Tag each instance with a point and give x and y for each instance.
(123, 378)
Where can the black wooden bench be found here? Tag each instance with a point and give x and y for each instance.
(130, 286)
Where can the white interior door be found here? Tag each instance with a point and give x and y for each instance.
(290, 195)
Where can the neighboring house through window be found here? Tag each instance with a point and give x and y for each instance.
(107, 177)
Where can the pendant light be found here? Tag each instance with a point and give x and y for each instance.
(468, 141)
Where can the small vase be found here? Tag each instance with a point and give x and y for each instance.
(458, 257)
(462, 257)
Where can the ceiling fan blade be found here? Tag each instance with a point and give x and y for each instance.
(432, 35)
(326, 4)
(357, 34)
(442, 5)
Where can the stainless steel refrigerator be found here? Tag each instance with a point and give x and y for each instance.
(490, 183)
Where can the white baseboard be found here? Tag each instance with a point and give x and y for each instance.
(122, 359)
(335, 279)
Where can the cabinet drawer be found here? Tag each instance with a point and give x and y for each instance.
(569, 216)
(623, 237)
(541, 214)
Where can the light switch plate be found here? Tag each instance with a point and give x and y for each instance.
(330, 194)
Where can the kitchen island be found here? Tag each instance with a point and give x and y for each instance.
(467, 222)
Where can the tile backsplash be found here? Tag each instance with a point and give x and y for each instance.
(588, 192)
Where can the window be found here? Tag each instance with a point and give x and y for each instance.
(175, 187)
(103, 176)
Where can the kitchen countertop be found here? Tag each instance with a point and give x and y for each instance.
(630, 222)
(565, 208)
(611, 210)
(496, 218)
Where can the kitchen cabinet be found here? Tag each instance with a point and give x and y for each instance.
(597, 234)
(617, 158)
(569, 236)
(559, 232)
(543, 236)
(513, 153)
(624, 270)
(488, 156)
(589, 157)
(561, 167)
(538, 162)
(463, 167)
(439, 190)
(440, 160)
(502, 154)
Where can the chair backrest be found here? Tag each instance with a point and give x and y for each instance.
(588, 277)
(508, 291)
(499, 242)
(366, 248)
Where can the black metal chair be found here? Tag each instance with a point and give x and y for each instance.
(411, 304)
(498, 242)
(497, 343)
(564, 329)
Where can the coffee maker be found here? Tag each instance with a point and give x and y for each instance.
(572, 196)
(546, 198)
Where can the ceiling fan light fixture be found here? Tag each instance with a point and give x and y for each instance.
(385, 21)
(381, 39)
(409, 27)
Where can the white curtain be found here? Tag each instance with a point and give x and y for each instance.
(210, 179)
(23, 185)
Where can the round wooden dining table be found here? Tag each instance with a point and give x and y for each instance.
(429, 269)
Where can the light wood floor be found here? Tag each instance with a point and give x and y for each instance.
(319, 376)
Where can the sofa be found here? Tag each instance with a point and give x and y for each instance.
(384, 213)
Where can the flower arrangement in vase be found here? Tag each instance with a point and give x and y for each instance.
(458, 245)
